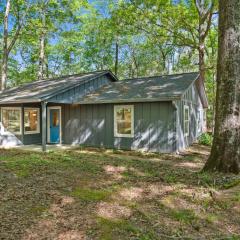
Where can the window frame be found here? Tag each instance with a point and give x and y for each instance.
(12, 108)
(38, 123)
(186, 133)
(116, 134)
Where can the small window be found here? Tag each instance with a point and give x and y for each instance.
(186, 120)
(55, 120)
(123, 121)
(11, 120)
(31, 120)
(199, 120)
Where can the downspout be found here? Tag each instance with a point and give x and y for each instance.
(22, 122)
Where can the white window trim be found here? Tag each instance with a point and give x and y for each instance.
(12, 108)
(38, 123)
(116, 134)
(186, 134)
(48, 123)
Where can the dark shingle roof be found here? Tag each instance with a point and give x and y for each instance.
(41, 90)
(158, 88)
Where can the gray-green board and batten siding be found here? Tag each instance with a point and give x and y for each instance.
(93, 125)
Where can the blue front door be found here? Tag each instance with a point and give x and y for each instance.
(54, 125)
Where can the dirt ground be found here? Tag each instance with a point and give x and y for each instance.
(109, 194)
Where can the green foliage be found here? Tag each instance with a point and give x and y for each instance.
(206, 139)
(153, 37)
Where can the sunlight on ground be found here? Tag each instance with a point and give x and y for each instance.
(113, 211)
(116, 172)
(118, 195)
(132, 193)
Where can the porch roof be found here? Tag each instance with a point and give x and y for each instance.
(42, 90)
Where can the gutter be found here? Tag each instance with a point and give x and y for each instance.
(21, 101)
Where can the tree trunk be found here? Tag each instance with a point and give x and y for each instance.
(116, 58)
(41, 72)
(5, 47)
(201, 54)
(225, 154)
(205, 19)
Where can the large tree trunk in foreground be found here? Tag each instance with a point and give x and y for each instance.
(5, 47)
(225, 154)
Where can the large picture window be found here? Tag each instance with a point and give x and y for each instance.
(124, 121)
(31, 120)
(186, 120)
(11, 120)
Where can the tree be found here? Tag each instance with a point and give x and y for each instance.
(5, 47)
(20, 13)
(225, 153)
(205, 19)
(42, 41)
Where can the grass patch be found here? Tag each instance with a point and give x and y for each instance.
(170, 178)
(206, 179)
(89, 195)
(231, 183)
(236, 197)
(120, 229)
(211, 218)
(184, 216)
(24, 165)
(37, 210)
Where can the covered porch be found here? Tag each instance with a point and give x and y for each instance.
(31, 125)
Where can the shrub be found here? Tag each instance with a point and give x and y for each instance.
(206, 139)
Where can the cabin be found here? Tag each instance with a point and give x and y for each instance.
(158, 114)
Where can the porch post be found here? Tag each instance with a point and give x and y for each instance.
(22, 123)
(44, 125)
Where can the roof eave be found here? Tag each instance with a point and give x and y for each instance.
(20, 101)
(129, 100)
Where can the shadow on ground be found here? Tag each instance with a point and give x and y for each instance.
(105, 194)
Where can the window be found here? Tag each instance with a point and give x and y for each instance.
(186, 120)
(31, 120)
(55, 121)
(123, 121)
(11, 119)
(199, 120)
